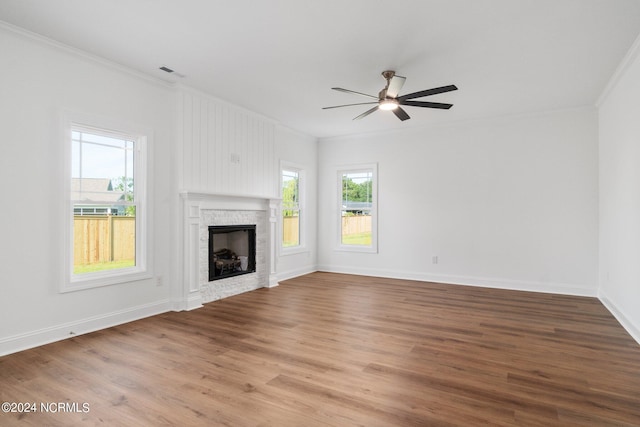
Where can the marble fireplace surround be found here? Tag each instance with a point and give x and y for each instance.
(200, 210)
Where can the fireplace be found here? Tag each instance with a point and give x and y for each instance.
(232, 250)
(203, 210)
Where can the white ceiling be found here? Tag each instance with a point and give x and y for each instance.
(280, 58)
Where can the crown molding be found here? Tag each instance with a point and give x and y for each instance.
(46, 41)
(624, 65)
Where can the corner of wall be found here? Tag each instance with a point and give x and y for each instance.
(624, 320)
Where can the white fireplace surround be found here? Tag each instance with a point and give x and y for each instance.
(199, 210)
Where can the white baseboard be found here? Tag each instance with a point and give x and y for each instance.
(285, 275)
(623, 319)
(193, 301)
(499, 283)
(43, 336)
(51, 334)
(517, 285)
(273, 281)
(190, 302)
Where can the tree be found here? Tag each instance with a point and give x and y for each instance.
(290, 197)
(356, 192)
(124, 185)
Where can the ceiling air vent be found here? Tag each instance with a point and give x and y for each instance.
(170, 71)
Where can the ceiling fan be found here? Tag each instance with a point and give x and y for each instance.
(389, 100)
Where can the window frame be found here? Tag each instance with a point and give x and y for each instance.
(141, 137)
(359, 168)
(302, 244)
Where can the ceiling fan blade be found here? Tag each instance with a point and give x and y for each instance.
(353, 91)
(349, 105)
(428, 92)
(395, 84)
(427, 104)
(366, 113)
(401, 114)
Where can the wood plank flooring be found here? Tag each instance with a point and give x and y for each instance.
(337, 350)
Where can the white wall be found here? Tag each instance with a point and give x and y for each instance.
(506, 203)
(302, 151)
(38, 81)
(620, 194)
(224, 148)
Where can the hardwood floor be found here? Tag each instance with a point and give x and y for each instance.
(339, 350)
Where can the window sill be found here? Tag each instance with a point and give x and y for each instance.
(294, 250)
(96, 280)
(354, 248)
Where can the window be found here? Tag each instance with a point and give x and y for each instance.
(358, 208)
(292, 216)
(106, 206)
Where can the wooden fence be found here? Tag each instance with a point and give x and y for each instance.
(99, 238)
(291, 230)
(356, 224)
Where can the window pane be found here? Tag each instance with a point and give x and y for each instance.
(291, 228)
(357, 202)
(290, 208)
(290, 190)
(103, 140)
(104, 238)
(104, 210)
(129, 153)
(101, 168)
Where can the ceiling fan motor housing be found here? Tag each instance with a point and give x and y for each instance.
(388, 75)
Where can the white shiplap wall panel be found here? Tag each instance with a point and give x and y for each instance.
(204, 141)
(253, 164)
(187, 139)
(220, 121)
(226, 149)
(194, 168)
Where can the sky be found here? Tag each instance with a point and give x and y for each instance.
(101, 156)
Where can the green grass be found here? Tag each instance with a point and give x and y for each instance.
(102, 266)
(362, 239)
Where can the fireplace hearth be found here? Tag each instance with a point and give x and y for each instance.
(232, 250)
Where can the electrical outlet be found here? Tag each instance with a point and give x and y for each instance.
(434, 259)
(159, 281)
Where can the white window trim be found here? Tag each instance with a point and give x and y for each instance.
(142, 136)
(340, 170)
(302, 247)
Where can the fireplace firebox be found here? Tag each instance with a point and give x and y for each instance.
(232, 250)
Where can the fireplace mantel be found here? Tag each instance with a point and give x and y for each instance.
(193, 204)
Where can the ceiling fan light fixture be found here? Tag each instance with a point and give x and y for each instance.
(388, 104)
